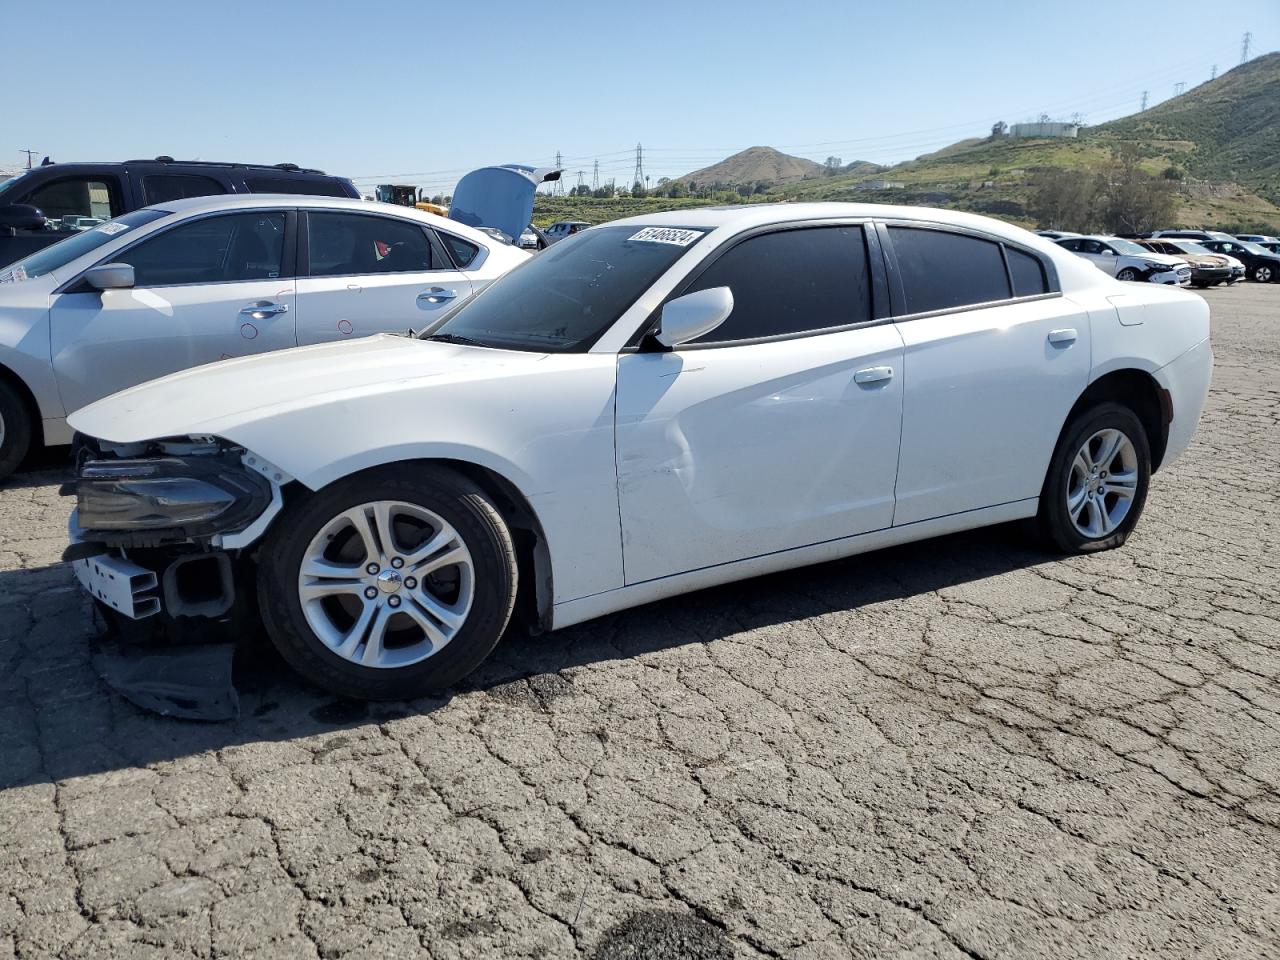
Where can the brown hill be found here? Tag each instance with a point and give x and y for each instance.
(754, 164)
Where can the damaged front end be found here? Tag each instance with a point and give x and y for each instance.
(158, 539)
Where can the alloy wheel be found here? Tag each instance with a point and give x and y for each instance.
(386, 584)
(1102, 484)
(1264, 274)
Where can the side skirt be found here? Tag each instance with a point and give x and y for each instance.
(587, 608)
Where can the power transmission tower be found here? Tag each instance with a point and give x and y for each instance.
(1244, 46)
(1178, 88)
(30, 154)
(595, 177)
(1213, 74)
(639, 177)
(581, 181)
(558, 187)
(1143, 108)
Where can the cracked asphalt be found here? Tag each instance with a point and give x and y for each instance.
(966, 748)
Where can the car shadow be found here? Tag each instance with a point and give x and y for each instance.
(58, 720)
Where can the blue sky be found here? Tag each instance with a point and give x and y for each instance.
(418, 92)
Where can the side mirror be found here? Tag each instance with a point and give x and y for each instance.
(21, 216)
(689, 317)
(110, 276)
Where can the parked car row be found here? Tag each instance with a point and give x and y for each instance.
(196, 280)
(648, 407)
(1211, 257)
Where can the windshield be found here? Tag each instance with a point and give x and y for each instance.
(77, 245)
(6, 184)
(1254, 247)
(1127, 246)
(563, 299)
(1187, 246)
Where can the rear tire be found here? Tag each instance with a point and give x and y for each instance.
(1097, 482)
(15, 429)
(1264, 273)
(388, 620)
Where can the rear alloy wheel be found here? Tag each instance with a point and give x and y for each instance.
(1264, 273)
(390, 584)
(1128, 273)
(1097, 482)
(15, 430)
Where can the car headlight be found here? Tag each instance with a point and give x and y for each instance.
(177, 496)
(1158, 267)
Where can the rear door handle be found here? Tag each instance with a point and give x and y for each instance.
(873, 375)
(1065, 336)
(436, 295)
(263, 309)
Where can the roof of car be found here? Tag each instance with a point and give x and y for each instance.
(745, 216)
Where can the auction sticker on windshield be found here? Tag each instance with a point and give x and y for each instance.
(14, 275)
(674, 235)
(111, 229)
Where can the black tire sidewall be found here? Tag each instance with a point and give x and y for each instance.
(463, 505)
(1055, 522)
(1132, 275)
(17, 430)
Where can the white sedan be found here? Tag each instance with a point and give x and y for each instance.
(650, 407)
(1126, 260)
(188, 282)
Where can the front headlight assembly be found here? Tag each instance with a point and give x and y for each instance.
(168, 498)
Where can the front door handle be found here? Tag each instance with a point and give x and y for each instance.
(436, 295)
(873, 375)
(263, 309)
(1064, 337)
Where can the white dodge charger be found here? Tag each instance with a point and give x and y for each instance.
(649, 407)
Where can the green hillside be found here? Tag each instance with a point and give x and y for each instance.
(1219, 142)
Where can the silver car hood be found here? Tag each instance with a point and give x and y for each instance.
(500, 197)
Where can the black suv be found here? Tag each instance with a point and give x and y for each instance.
(57, 200)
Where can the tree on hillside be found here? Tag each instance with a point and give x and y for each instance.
(637, 189)
(832, 166)
(1136, 201)
(1066, 199)
(677, 189)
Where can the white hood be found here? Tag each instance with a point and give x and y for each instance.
(216, 398)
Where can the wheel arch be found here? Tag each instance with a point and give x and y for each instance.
(1139, 391)
(10, 378)
(534, 597)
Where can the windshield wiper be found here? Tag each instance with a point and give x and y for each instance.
(455, 338)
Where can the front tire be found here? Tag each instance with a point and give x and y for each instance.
(1097, 482)
(15, 430)
(1127, 274)
(389, 584)
(1264, 273)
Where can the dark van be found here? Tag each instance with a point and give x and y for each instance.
(57, 200)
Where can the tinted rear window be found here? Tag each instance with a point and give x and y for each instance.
(942, 270)
(1028, 273)
(162, 187)
(319, 187)
(463, 252)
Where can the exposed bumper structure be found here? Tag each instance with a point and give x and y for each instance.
(1187, 381)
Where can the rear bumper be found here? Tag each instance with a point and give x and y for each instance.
(1187, 380)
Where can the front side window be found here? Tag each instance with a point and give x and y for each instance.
(162, 187)
(222, 249)
(942, 270)
(341, 244)
(791, 282)
(76, 204)
(78, 244)
(563, 299)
